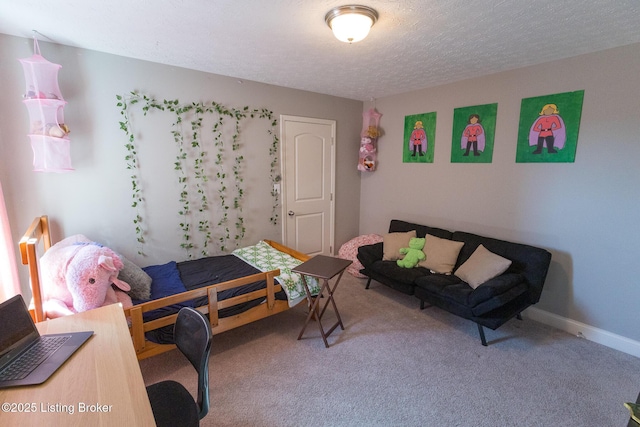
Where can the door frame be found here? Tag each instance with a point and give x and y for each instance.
(284, 118)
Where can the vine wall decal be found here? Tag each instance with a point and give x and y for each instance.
(191, 168)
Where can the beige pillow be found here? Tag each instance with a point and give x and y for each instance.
(392, 242)
(482, 266)
(442, 254)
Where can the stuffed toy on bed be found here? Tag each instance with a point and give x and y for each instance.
(413, 254)
(79, 275)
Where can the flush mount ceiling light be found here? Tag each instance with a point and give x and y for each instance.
(351, 23)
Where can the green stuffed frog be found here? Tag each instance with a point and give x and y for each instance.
(413, 254)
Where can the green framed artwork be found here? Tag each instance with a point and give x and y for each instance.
(419, 138)
(548, 130)
(474, 130)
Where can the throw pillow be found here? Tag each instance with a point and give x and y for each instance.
(482, 265)
(442, 254)
(392, 242)
(137, 278)
(166, 280)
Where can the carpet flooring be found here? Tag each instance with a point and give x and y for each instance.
(397, 365)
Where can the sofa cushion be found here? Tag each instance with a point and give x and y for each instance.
(497, 292)
(369, 254)
(451, 291)
(399, 274)
(448, 288)
(482, 265)
(442, 254)
(392, 242)
(531, 261)
(399, 226)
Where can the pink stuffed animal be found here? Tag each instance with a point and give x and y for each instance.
(77, 275)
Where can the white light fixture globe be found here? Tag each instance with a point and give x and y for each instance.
(351, 23)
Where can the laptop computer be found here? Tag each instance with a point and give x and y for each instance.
(26, 357)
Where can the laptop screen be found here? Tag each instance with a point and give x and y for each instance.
(17, 326)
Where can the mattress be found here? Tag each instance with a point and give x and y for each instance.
(176, 277)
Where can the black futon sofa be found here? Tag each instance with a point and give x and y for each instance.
(491, 304)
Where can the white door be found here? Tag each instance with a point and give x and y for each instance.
(308, 170)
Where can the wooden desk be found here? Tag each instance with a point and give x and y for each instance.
(100, 385)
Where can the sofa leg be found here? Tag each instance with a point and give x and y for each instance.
(368, 283)
(519, 316)
(481, 331)
(423, 304)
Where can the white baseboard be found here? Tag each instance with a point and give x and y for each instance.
(573, 327)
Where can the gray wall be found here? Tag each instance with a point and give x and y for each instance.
(586, 213)
(95, 199)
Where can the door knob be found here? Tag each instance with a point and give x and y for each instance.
(291, 213)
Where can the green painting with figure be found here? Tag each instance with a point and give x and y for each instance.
(419, 138)
(474, 130)
(549, 126)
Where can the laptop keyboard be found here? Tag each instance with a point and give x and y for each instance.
(30, 359)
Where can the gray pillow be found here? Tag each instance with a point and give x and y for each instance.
(136, 277)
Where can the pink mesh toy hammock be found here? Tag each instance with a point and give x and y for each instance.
(367, 158)
(48, 132)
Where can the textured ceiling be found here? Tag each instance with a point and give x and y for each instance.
(415, 43)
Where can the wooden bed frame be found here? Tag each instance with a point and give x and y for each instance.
(39, 233)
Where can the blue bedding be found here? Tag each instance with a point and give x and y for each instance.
(176, 277)
(165, 281)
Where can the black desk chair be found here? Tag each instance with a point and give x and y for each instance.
(171, 403)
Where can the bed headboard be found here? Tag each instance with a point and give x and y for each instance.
(37, 232)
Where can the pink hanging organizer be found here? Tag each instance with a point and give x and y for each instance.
(368, 140)
(47, 130)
